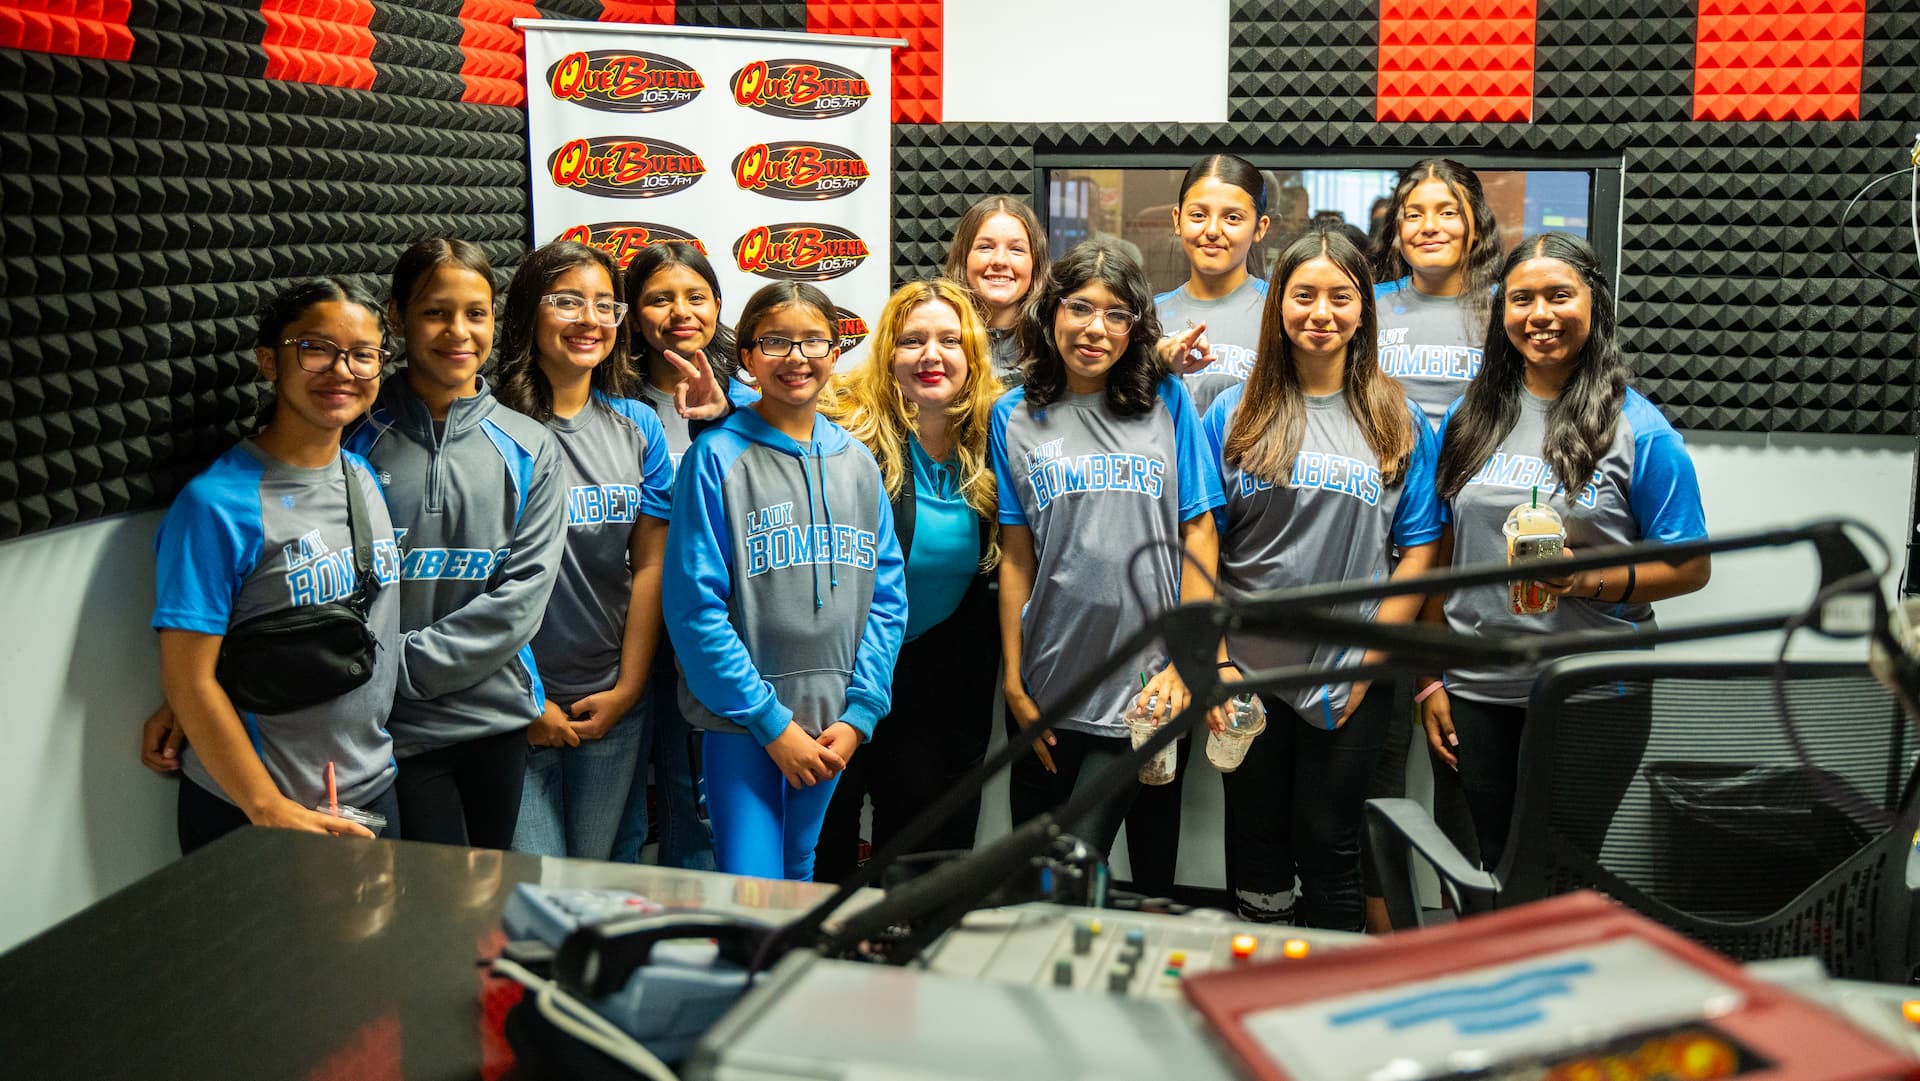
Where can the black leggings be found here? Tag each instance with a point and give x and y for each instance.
(203, 818)
(938, 729)
(1489, 754)
(465, 794)
(1294, 805)
(1080, 758)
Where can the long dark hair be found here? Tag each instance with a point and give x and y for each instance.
(655, 258)
(290, 303)
(423, 257)
(1135, 375)
(1272, 417)
(1581, 422)
(1481, 264)
(1230, 169)
(523, 386)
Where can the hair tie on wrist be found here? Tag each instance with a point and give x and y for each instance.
(1624, 597)
(1428, 691)
(1225, 665)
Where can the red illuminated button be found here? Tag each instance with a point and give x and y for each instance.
(1243, 946)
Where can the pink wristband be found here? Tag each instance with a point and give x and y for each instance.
(1428, 692)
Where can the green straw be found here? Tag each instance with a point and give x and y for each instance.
(1143, 681)
(1536, 495)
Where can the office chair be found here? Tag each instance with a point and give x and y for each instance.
(1670, 784)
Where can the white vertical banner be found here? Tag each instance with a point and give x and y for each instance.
(769, 151)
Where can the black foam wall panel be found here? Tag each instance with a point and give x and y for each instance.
(148, 204)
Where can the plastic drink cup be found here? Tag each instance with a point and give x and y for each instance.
(1535, 534)
(374, 821)
(1227, 749)
(1160, 768)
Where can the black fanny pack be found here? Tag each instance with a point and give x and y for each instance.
(302, 656)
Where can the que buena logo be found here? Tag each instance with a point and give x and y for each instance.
(616, 81)
(623, 239)
(850, 328)
(625, 168)
(799, 251)
(799, 89)
(799, 170)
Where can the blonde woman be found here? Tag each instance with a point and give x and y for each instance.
(922, 407)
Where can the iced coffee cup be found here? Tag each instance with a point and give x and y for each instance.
(1227, 748)
(1535, 534)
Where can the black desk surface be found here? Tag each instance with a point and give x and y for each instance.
(273, 954)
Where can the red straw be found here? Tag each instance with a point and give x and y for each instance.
(333, 795)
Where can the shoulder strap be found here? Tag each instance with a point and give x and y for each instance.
(366, 583)
(903, 511)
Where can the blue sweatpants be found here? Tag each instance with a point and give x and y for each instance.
(762, 826)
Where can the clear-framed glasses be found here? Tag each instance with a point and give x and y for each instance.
(1118, 321)
(320, 355)
(774, 345)
(572, 307)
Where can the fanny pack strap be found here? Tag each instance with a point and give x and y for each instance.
(365, 582)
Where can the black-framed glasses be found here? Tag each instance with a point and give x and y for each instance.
(573, 308)
(774, 345)
(1118, 321)
(319, 355)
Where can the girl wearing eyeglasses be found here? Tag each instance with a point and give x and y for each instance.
(266, 529)
(1213, 321)
(1098, 455)
(788, 593)
(564, 362)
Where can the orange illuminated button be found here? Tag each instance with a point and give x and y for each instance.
(1910, 1009)
(1295, 948)
(1243, 946)
(1177, 959)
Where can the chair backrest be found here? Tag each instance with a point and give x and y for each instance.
(1670, 784)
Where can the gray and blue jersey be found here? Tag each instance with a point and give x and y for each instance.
(1643, 488)
(1233, 329)
(252, 536)
(786, 582)
(614, 468)
(477, 501)
(1335, 519)
(1425, 343)
(1093, 487)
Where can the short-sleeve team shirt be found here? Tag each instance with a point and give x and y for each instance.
(1644, 488)
(615, 467)
(252, 536)
(1334, 520)
(1233, 329)
(1425, 343)
(1094, 486)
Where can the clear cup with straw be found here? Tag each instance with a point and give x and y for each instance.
(1141, 725)
(1227, 748)
(1535, 534)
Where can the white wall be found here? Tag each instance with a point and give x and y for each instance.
(79, 817)
(1084, 62)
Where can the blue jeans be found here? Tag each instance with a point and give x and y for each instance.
(666, 742)
(762, 826)
(572, 798)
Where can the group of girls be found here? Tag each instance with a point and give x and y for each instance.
(836, 542)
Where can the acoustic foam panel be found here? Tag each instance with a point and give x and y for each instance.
(916, 66)
(1779, 59)
(1457, 60)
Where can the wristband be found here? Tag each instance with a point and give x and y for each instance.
(1427, 692)
(1624, 597)
(1225, 665)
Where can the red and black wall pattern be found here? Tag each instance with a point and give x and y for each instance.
(166, 163)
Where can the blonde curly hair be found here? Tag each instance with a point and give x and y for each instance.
(868, 403)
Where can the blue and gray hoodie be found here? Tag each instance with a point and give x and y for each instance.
(787, 596)
(476, 503)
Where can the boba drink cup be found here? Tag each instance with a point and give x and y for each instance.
(1226, 749)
